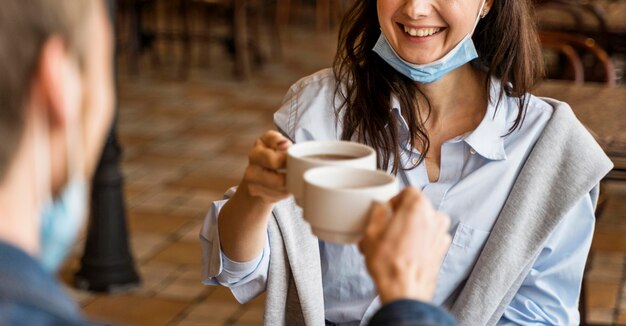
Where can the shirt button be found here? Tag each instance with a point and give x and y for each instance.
(415, 160)
(472, 151)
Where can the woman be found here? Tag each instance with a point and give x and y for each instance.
(440, 89)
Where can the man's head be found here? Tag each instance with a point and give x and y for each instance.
(55, 65)
(56, 103)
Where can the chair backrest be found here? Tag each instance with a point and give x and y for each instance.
(573, 60)
(581, 12)
(566, 42)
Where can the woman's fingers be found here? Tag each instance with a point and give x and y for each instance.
(262, 178)
(268, 195)
(275, 140)
(258, 175)
(270, 151)
(267, 157)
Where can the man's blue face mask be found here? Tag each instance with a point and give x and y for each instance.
(61, 220)
(61, 217)
(461, 54)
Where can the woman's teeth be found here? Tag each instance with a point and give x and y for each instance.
(421, 32)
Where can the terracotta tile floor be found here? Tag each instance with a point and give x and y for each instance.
(186, 142)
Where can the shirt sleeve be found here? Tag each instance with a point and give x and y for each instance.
(550, 293)
(246, 280)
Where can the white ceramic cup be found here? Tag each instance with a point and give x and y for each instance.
(337, 200)
(300, 158)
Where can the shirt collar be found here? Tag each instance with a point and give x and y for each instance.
(487, 139)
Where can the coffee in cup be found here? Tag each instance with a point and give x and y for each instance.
(304, 156)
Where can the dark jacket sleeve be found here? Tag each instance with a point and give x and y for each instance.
(18, 314)
(411, 313)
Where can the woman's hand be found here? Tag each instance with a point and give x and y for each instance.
(262, 178)
(404, 246)
(243, 219)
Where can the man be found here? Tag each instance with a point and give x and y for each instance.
(56, 106)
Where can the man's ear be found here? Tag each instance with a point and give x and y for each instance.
(58, 81)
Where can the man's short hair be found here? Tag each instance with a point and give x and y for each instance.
(25, 26)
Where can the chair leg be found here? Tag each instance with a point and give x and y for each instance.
(255, 25)
(242, 55)
(183, 72)
(283, 10)
(322, 9)
(205, 50)
(281, 22)
(134, 37)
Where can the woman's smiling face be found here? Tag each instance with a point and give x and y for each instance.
(422, 31)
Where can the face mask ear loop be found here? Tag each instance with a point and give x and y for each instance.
(43, 168)
(479, 16)
(74, 146)
(74, 150)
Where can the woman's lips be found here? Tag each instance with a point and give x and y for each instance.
(420, 31)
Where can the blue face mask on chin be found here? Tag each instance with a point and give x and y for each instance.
(462, 53)
(61, 220)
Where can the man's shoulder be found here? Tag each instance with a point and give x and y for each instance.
(29, 295)
(23, 313)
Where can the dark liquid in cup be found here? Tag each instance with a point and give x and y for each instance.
(330, 157)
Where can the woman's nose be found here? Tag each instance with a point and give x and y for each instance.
(415, 9)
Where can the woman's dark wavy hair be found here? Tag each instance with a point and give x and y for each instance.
(508, 48)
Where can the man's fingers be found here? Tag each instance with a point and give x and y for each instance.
(410, 199)
(379, 216)
(376, 224)
(413, 213)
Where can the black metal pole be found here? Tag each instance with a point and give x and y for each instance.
(107, 264)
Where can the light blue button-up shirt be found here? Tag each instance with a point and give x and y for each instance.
(477, 172)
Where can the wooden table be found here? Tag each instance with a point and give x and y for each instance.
(602, 110)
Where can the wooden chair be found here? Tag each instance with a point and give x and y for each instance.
(573, 60)
(574, 16)
(238, 43)
(177, 28)
(573, 47)
(130, 23)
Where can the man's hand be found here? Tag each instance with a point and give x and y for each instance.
(404, 245)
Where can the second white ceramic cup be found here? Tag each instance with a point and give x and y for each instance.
(337, 200)
(302, 157)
